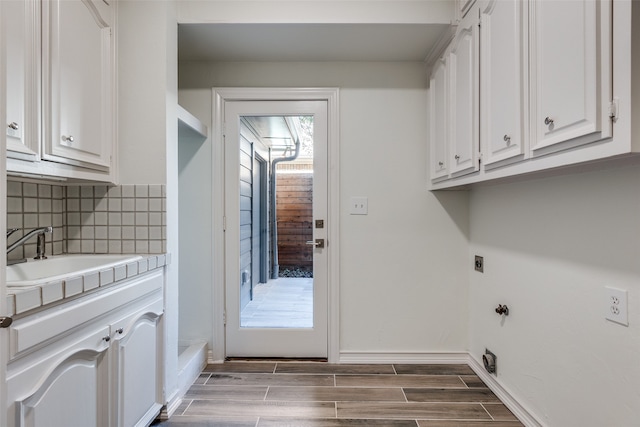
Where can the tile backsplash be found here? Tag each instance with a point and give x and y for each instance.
(123, 219)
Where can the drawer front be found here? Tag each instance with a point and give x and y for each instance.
(102, 308)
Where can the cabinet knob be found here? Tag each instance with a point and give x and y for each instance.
(548, 121)
(457, 157)
(5, 321)
(440, 164)
(119, 331)
(107, 338)
(507, 139)
(68, 138)
(13, 125)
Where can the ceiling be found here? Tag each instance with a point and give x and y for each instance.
(275, 131)
(307, 42)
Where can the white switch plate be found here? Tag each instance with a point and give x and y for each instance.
(616, 306)
(359, 206)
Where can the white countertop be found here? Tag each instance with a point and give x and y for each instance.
(23, 299)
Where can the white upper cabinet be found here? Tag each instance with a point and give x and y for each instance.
(464, 70)
(20, 29)
(78, 87)
(570, 74)
(504, 79)
(438, 120)
(533, 85)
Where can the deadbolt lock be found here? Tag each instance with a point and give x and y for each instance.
(319, 223)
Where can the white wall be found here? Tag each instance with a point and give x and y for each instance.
(314, 11)
(143, 82)
(550, 247)
(148, 131)
(195, 202)
(403, 272)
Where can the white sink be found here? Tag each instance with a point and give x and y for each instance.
(36, 272)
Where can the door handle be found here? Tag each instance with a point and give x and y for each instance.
(318, 243)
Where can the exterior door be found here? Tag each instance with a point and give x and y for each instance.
(249, 340)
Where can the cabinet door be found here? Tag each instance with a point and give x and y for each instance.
(139, 391)
(464, 6)
(504, 79)
(21, 29)
(464, 74)
(78, 83)
(571, 73)
(74, 392)
(438, 120)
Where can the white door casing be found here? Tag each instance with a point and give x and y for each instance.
(224, 252)
(273, 342)
(4, 333)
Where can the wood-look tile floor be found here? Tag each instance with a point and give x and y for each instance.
(314, 394)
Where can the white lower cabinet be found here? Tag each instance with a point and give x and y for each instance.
(69, 388)
(138, 400)
(105, 370)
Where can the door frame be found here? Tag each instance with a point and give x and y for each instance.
(4, 332)
(219, 97)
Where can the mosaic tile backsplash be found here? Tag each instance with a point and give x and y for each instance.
(125, 219)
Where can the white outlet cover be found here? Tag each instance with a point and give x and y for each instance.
(359, 206)
(616, 306)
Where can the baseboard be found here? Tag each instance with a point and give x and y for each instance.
(172, 405)
(191, 362)
(503, 394)
(211, 360)
(461, 357)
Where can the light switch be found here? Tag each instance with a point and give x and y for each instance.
(359, 206)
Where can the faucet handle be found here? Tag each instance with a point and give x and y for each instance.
(10, 231)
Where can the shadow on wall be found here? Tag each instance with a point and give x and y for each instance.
(456, 204)
(587, 218)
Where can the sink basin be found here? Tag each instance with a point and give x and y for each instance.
(35, 272)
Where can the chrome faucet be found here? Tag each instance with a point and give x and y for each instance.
(40, 246)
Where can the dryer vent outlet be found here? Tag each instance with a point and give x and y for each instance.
(490, 361)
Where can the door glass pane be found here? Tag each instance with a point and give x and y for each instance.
(276, 222)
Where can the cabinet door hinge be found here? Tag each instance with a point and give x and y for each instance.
(224, 223)
(614, 107)
(224, 318)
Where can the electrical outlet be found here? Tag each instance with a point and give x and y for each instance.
(616, 308)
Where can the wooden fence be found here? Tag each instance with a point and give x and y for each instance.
(294, 204)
